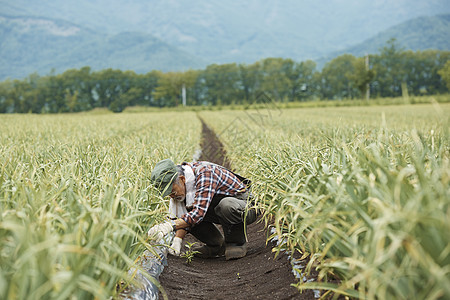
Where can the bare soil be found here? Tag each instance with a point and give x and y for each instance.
(259, 275)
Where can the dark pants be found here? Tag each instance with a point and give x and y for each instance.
(230, 212)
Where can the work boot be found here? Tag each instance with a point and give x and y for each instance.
(209, 234)
(234, 251)
(206, 251)
(235, 242)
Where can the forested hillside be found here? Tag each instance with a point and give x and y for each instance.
(193, 34)
(239, 31)
(31, 44)
(417, 34)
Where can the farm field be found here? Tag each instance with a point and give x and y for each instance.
(360, 193)
(74, 198)
(363, 191)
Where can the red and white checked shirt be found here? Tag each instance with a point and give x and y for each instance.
(210, 179)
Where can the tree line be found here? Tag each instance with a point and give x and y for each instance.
(387, 74)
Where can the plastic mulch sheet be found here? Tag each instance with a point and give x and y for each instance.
(146, 273)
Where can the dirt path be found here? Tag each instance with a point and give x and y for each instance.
(256, 276)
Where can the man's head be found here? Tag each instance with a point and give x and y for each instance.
(169, 179)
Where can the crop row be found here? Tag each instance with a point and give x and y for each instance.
(75, 200)
(362, 192)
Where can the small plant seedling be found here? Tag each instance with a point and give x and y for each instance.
(189, 254)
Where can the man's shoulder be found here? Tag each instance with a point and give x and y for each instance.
(200, 167)
(202, 164)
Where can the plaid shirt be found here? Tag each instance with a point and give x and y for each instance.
(210, 179)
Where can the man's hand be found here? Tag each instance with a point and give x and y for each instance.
(160, 230)
(175, 249)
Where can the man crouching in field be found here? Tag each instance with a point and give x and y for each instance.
(204, 194)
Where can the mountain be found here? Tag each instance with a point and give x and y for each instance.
(142, 35)
(417, 34)
(36, 44)
(235, 30)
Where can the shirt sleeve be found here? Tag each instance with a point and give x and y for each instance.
(205, 187)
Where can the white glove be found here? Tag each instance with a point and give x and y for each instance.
(176, 246)
(160, 230)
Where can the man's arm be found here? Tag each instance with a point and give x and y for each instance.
(175, 248)
(181, 224)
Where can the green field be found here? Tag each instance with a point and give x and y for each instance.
(364, 191)
(75, 200)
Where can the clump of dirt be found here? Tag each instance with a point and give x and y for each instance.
(259, 275)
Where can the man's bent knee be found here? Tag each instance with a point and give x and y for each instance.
(231, 210)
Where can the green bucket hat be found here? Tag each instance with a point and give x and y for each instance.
(163, 176)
